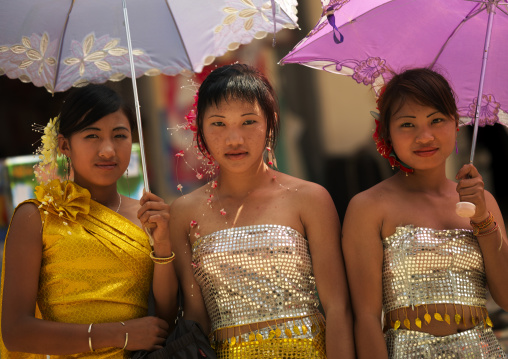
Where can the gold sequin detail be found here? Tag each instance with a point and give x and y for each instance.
(301, 346)
(255, 274)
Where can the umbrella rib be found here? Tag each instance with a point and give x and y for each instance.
(502, 10)
(59, 55)
(181, 38)
(475, 11)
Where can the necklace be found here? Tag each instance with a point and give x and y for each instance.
(120, 202)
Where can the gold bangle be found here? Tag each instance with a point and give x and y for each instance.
(90, 337)
(162, 260)
(126, 337)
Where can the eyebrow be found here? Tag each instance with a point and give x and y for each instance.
(409, 116)
(245, 114)
(119, 128)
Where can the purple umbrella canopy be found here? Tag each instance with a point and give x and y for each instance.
(368, 39)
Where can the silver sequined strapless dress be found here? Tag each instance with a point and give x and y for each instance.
(423, 267)
(254, 274)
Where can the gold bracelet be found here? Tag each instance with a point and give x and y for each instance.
(477, 227)
(126, 337)
(90, 337)
(162, 260)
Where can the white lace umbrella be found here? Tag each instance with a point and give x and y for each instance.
(63, 43)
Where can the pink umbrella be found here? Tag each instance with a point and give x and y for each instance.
(364, 39)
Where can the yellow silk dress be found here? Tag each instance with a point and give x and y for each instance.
(96, 265)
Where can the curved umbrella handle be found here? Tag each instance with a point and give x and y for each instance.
(465, 209)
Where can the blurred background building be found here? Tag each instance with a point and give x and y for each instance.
(326, 134)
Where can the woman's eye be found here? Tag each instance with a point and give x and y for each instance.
(438, 120)
(218, 123)
(120, 136)
(249, 122)
(92, 135)
(406, 124)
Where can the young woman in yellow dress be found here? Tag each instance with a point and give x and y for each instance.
(408, 254)
(78, 265)
(253, 244)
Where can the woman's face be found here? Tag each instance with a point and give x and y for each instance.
(422, 137)
(100, 153)
(235, 134)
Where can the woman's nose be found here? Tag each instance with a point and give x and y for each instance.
(234, 137)
(107, 149)
(425, 135)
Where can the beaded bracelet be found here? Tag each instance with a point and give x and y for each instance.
(90, 337)
(486, 233)
(477, 227)
(162, 260)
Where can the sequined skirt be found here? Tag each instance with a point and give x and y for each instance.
(475, 343)
(299, 339)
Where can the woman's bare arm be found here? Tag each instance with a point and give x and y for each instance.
(363, 255)
(322, 229)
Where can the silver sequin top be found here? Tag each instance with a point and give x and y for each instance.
(426, 266)
(253, 274)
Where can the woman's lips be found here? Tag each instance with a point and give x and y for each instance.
(106, 166)
(236, 155)
(426, 152)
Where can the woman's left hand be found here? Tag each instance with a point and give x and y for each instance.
(154, 215)
(471, 189)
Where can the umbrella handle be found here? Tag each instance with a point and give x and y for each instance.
(465, 209)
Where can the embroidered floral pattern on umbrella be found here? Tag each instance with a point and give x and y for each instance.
(385, 36)
(59, 44)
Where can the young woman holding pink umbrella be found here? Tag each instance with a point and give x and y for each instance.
(408, 254)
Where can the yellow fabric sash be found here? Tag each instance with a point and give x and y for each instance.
(95, 263)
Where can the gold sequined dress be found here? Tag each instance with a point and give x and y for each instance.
(95, 264)
(254, 274)
(423, 267)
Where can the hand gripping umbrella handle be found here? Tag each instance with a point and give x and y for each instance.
(468, 209)
(465, 209)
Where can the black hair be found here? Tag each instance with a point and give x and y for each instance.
(86, 105)
(239, 82)
(422, 85)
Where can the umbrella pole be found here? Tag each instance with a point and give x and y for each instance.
(490, 10)
(468, 209)
(136, 99)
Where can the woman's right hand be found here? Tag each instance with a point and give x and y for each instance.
(147, 333)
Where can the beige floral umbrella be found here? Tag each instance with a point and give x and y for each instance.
(59, 44)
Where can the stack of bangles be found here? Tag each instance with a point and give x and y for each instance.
(162, 260)
(480, 229)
